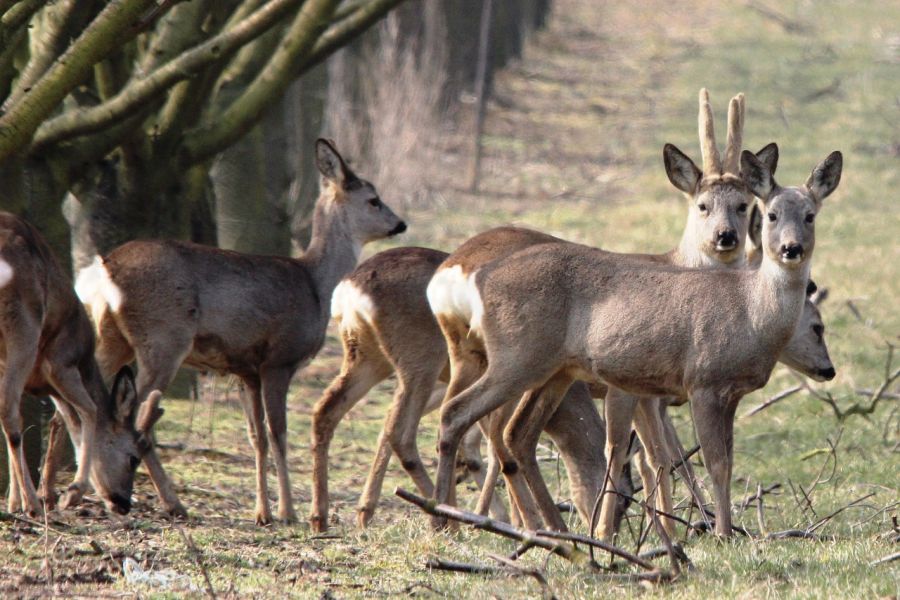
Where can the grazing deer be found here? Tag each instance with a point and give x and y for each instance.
(168, 303)
(47, 348)
(386, 326)
(710, 335)
(714, 235)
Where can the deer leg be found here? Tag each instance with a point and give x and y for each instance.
(579, 433)
(522, 434)
(619, 410)
(56, 440)
(275, 383)
(513, 472)
(67, 381)
(157, 364)
(691, 481)
(714, 421)
(655, 471)
(357, 377)
(19, 364)
(486, 479)
(402, 424)
(253, 410)
(493, 389)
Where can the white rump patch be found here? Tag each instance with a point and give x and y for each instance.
(96, 290)
(6, 273)
(349, 305)
(452, 292)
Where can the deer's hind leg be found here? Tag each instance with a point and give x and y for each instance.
(522, 434)
(158, 357)
(364, 365)
(579, 433)
(656, 468)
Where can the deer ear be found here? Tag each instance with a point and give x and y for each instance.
(124, 395)
(329, 161)
(826, 177)
(682, 171)
(811, 288)
(757, 176)
(768, 156)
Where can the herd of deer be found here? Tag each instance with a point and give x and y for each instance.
(525, 329)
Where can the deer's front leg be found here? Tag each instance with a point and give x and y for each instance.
(275, 383)
(714, 421)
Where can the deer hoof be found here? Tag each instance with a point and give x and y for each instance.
(364, 517)
(177, 511)
(318, 524)
(48, 498)
(72, 497)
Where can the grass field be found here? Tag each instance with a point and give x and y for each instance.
(573, 147)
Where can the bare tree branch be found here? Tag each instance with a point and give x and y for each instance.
(140, 91)
(49, 34)
(103, 36)
(222, 129)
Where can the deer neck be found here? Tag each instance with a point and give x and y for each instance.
(777, 298)
(333, 251)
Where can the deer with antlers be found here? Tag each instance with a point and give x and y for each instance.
(710, 335)
(715, 233)
(47, 348)
(167, 303)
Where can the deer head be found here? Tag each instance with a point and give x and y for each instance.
(806, 352)
(718, 212)
(366, 217)
(121, 443)
(789, 213)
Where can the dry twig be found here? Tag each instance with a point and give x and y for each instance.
(776, 398)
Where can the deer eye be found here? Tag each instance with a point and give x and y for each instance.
(134, 461)
(772, 217)
(810, 218)
(742, 208)
(702, 207)
(375, 202)
(819, 330)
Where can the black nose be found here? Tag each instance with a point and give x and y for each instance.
(828, 373)
(121, 504)
(726, 239)
(791, 251)
(400, 228)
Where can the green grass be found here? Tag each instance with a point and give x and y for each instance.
(576, 151)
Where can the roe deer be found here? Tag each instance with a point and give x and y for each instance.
(168, 303)
(385, 326)
(564, 312)
(47, 348)
(714, 235)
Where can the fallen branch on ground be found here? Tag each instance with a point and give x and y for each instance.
(886, 559)
(541, 540)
